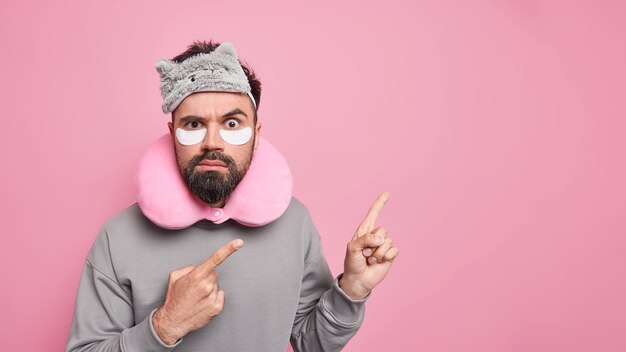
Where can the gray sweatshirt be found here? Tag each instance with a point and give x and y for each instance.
(278, 287)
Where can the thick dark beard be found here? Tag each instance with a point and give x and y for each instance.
(213, 186)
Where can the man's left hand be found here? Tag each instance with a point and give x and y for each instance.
(369, 255)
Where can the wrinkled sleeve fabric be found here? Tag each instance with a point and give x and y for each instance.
(103, 317)
(327, 318)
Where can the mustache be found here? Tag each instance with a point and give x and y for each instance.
(212, 156)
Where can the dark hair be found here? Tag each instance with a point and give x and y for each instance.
(204, 47)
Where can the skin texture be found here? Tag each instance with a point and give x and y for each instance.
(193, 296)
(369, 255)
(210, 108)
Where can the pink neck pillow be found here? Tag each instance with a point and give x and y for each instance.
(261, 197)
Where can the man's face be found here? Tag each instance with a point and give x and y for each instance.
(213, 167)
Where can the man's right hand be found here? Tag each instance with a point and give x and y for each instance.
(193, 297)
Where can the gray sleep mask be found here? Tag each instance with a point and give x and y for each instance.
(217, 71)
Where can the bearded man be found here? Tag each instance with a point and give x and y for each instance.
(214, 196)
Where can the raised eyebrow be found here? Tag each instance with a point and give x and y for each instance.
(233, 112)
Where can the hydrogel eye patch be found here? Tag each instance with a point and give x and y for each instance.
(236, 137)
(190, 137)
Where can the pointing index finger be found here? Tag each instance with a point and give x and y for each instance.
(372, 214)
(219, 256)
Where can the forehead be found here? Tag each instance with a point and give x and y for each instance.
(213, 104)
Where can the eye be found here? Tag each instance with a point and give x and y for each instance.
(193, 124)
(232, 123)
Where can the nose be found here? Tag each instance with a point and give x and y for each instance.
(213, 141)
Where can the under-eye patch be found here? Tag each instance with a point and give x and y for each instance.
(236, 137)
(233, 137)
(190, 137)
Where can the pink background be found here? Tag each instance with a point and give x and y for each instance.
(498, 127)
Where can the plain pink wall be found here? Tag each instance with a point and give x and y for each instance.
(499, 127)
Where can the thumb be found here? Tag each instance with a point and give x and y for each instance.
(178, 273)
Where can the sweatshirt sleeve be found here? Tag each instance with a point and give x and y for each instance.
(327, 318)
(103, 317)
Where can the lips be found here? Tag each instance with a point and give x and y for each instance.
(212, 163)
